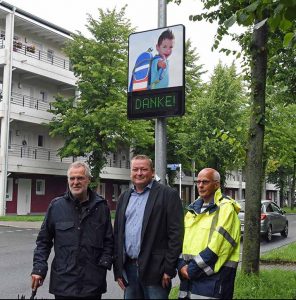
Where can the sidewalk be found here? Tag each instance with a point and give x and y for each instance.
(19, 224)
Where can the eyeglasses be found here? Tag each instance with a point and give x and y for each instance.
(204, 182)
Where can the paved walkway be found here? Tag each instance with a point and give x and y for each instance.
(19, 224)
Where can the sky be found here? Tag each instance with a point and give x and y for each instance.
(72, 15)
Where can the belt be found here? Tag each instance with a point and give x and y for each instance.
(132, 260)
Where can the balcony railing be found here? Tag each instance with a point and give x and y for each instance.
(31, 102)
(118, 163)
(31, 51)
(37, 153)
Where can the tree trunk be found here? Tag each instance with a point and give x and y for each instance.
(293, 185)
(254, 165)
(282, 184)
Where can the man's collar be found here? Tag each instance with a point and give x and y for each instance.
(148, 186)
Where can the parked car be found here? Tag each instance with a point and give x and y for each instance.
(273, 219)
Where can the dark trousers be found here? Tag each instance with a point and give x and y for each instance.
(66, 297)
(136, 289)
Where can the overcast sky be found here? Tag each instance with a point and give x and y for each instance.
(72, 15)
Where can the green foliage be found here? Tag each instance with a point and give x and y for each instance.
(213, 130)
(178, 127)
(265, 17)
(269, 284)
(31, 218)
(95, 123)
(281, 254)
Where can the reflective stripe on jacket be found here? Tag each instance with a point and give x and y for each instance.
(211, 248)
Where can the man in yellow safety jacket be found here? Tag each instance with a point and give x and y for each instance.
(208, 263)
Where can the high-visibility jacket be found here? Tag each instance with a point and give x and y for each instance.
(210, 248)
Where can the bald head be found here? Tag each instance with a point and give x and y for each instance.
(212, 173)
(208, 182)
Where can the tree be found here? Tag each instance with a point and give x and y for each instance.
(177, 126)
(280, 146)
(265, 17)
(95, 123)
(211, 132)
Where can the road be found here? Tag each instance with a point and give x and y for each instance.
(16, 249)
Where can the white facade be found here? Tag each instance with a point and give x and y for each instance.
(33, 70)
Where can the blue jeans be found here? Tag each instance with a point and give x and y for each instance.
(136, 290)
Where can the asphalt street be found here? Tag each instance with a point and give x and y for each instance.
(16, 252)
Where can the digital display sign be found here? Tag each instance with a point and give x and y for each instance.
(156, 79)
(156, 104)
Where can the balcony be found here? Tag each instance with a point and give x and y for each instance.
(117, 163)
(31, 51)
(37, 153)
(31, 102)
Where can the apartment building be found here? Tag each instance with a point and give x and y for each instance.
(33, 70)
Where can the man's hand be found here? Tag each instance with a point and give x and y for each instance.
(184, 272)
(120, 283)
(166, 280)
(37, 281)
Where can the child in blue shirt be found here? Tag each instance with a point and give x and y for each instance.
(160, 63)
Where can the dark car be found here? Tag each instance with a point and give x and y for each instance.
(273, 219)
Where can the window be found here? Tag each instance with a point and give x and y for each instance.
(115, 193)
(269, 208)
(40, 141)
(40, 187)
(50, 54)
(101, 189)
(43, 96)
(9, 139)
(9, 189)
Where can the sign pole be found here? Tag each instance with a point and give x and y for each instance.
(160, 123)
(180, 175)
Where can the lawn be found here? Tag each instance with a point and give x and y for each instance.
(27, 218)
(269, 284)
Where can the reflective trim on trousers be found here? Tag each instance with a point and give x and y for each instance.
(190, 295)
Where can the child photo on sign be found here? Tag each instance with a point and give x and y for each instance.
(160, 63)
(149, 65)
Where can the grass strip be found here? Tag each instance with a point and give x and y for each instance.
(269, 284)
(280, 255)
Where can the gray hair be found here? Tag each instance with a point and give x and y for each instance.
(216, 176)
(78, 164)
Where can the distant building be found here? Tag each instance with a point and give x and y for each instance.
(33, 70)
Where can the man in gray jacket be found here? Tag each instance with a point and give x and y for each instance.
(78, 225)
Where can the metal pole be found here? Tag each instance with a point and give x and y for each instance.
(240, 185)
(193, 180)
(7, 79)
(180, 179)
(160, 123)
